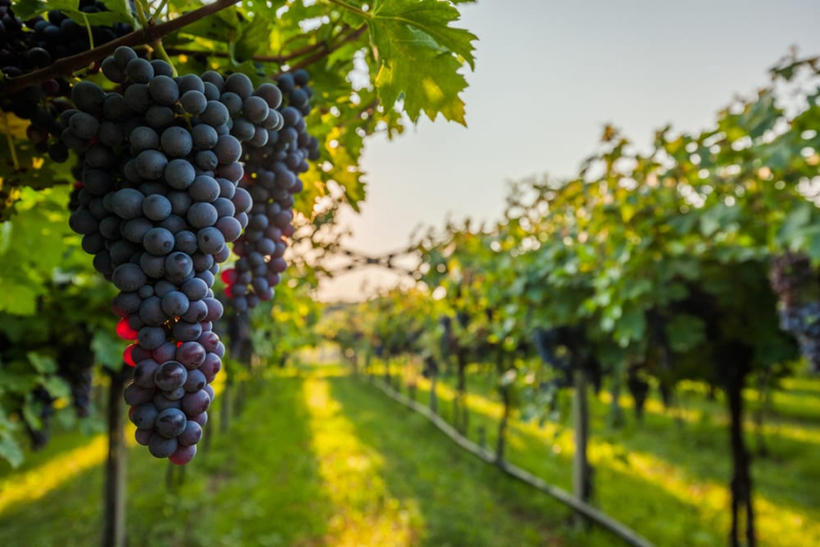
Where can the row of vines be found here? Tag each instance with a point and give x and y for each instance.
(692, 259)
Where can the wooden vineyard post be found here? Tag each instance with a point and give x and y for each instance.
(502, 427)
(581, 480)
(115, 466)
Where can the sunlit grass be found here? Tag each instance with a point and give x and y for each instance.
(778, 523)
(786, 430)
(364, 512)
(35, 484)
(38, 482)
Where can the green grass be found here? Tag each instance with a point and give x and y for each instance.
(667, 477)
(314, 460)
(318, 458)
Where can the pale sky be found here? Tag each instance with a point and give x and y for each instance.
(548, 76)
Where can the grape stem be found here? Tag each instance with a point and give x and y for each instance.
(142, 9)
(145, 35)
(158, 11)
(139, 4)
(164, 54)
(90, 34)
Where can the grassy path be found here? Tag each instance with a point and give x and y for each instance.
(313, 461)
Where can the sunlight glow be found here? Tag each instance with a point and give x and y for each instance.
(365, 513)
(35, 484)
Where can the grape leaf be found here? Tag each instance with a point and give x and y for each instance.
(255, 36)
(107, 349)
(10, 449)
(221, 26)
(42, 363)
(26, 9)
(431, 17)
(57, 387)
(42, 224)
(406, 35)
(120, 7)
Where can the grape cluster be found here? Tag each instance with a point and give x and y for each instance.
(158, 205)
(794, 281)
(75, 365)
(272, 179)
(803, 321)
(39, 437)
(47, 40)
(60, 36)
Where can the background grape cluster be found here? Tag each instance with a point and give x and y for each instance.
(798, 290)
(272, 179)
(159, 202)
(37, 43)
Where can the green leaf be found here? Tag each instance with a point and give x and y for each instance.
(101, 19)
(631, 326)
(107, 349)
(122, 8)
(31, 412)
(41, 363)
(813, 247)
(26, 9)
(255, 37)
(221, 27)
(57, 387)
(717, 217)
(10, 450)
(431, 17)
(407, 35)
(685, 332)
(18, 382)
(41, 224)
(21, 301)
(792, 226)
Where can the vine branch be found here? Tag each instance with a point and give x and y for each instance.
(145, 35)
(319, 50)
